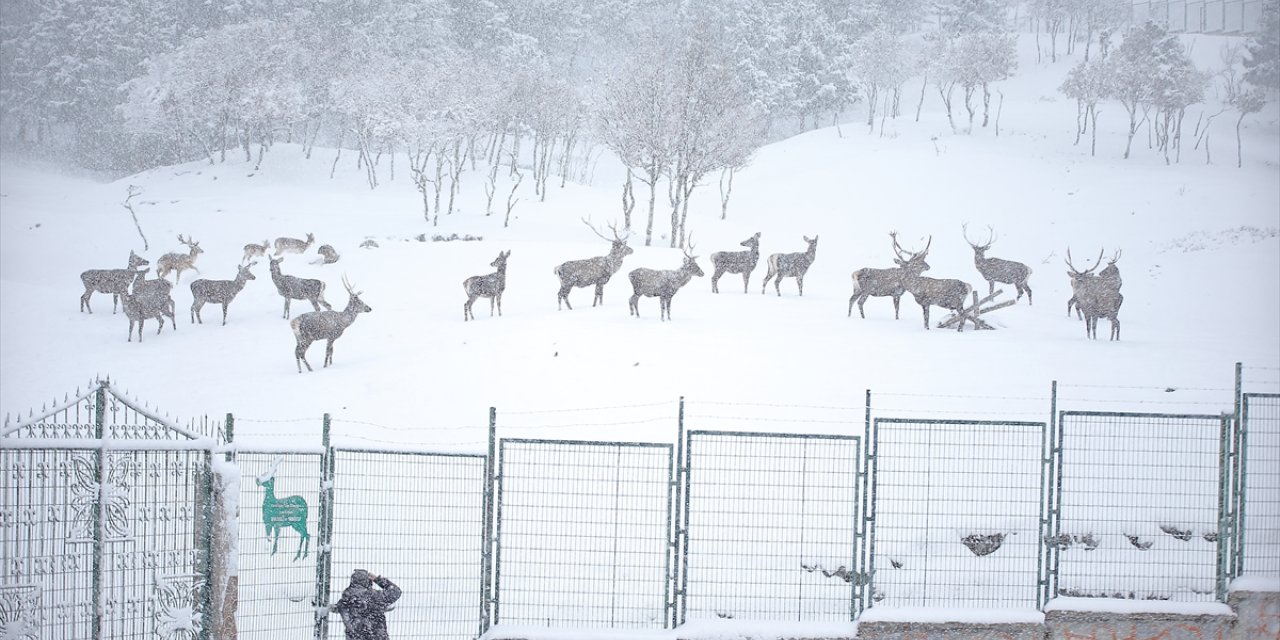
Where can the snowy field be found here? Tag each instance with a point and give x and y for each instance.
(1200, 247)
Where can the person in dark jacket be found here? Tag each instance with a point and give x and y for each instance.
(363, 608)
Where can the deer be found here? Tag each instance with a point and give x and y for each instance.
(139, 306)
(790, 265)
(295, 288)
(592, 271)
(178, 262)
(662, 283)
(488, 286)
(328, 255)
(868, 282)
(252, 251)
(1077, 279)
(325, 325)
(1097, 296)
(289, 512)
(743, 262)
(113, 281)
(995, 270)
(947, 293)
(293, 245)
(162, 291)
(218, 292)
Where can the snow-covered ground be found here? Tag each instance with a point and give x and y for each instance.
(1201, 266)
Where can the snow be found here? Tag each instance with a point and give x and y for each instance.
(1123, 606)
(1201, 264)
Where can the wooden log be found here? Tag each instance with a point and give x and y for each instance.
(975, 310)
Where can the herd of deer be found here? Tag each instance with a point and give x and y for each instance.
(144, 299)
(1095, 296)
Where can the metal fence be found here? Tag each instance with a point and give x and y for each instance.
(1257, 484)
(106, 513)
(1138, 506)
(583, 534)
(1201, 16)
(771, 522)
(957, 512)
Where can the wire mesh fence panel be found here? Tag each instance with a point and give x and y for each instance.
(416, 518)
(1260, 487)
(279, 500)
(121, 532)
(583, 534)
(772, 522)
(956, 513)
(1138, 506)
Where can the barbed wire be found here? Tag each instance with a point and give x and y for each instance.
(585, 409)
(412, 428)
(769, 406)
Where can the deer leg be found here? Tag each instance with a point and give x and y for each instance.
(715, 279)
(564, 297)
(466, 309)
(499, 300)
(599, 297)
(926, 315)
(800, 284)
(634, 305)
(286, 307)
(195, 312)
(896, 300)
(300, 354)
(84, 300)
(328, 353)
(777, 284)
(224, 313)
(1028, 288)
(492, 301)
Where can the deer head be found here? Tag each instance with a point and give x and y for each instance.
(907, 259)
(1076, 273)
(979, 249)
(616, 240)
(194, 247)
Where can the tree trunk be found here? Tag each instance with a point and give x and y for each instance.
(726, 188)
(923, 85)
(1239, 147)
(653, 201)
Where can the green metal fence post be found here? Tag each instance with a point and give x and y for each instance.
(1237, 474)
(1224, 527)
(486, 529)
(1048, 553)
(205, 594)
(324, 526)
(99, 514)
(678, 569)
(231, 437)
(866, 585)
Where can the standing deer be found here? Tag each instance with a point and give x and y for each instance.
(790, 265)
(662, 283)
(488, 286)
(113, 281)
(142, 305)
(950, 294)
(325, 325)
(743, 262)
(218, 292)
(295, 288)
(293, 245)
(868, 282)
(592, 271)
(1077, 280)
(289, 512)
(179, 262)
(1097, 296)
(162, 291)
(995, 270)
(252, 251)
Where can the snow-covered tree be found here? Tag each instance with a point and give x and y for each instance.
(1087, 84)
(881, 62)
(1149, 69)
(1262, 67)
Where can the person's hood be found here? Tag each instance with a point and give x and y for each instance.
(360, 578)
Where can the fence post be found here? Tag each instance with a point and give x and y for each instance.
(1224, 518)
(99, 546)
(486, 528)
(868, 573)
(230, 434)
(680, 541)
(1049, 523)
(1236, 501)
(324, 526)
(206, 543)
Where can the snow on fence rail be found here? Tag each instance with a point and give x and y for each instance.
(881, 510)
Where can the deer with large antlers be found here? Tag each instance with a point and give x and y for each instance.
(662, 283)
(1096, 296)
(179, 262)
(950, 294)
(285, 244)
(294, 288)
(592, 271)
(868, 282)
(995, 270)
(113, 281)
(325, 325)
(790, 265)
(743, 262)
(488, 286)
(218, 292)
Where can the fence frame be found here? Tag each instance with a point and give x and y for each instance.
(1239, 476)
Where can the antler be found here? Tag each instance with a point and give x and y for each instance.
(612, 227)
(1086, 271)
(897, 248)
(688, 253)
(350, 289)
(1114, 257)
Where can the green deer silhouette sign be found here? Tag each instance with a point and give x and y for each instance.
(289, 512)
